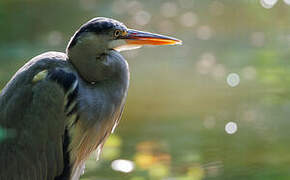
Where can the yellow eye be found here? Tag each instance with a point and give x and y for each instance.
(117, 33)
(124, 33)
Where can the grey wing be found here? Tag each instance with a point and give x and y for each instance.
(32, 113)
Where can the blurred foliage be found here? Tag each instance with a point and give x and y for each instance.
(6, 133)
(179, 101)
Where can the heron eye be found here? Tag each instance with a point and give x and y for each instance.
(117, 33)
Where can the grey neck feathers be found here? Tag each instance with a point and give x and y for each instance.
(85, 56)
(96, 62)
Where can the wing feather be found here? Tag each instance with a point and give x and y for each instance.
(34, 114)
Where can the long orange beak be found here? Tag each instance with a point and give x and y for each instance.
(135, 37)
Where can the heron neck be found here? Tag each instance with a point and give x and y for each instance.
(97, 65)
(85, 59)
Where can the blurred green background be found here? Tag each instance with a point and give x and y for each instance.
(215, 108)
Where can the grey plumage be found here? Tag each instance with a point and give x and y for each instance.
(26, 107)
(62, 107)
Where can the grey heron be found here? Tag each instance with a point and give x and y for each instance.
(63, 106)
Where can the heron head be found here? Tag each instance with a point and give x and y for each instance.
(107, 34)
(100, 38)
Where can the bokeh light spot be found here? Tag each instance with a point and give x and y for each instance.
(123, 165)
(168, 9)
(231, 127)
(287, 2)
(144, 161)
(188, 19)
(142, 18)
(204, 33)
(113, 141)
(268, 3)
(112, 149)
(233, 79)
